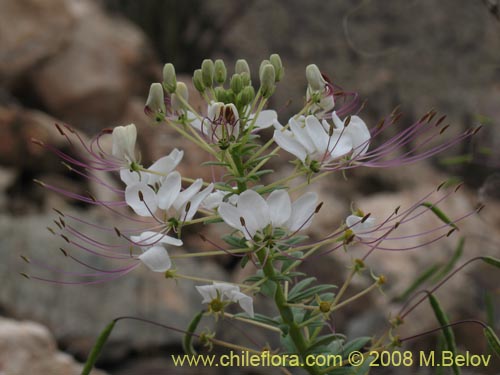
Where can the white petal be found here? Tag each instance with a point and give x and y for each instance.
(124, 138)
(299, 131)
(148, 205)
(360, 229)
(231, 216)
(317, 134)
(339, 124)
(340, 144)
(265, 119)
(196, 201)
(133, 177)
(255, 211)
(148, 239)
(186, 195)
(280, 207)
(226, 288)
(246, 302)
(288, 143)
(360, 136)
(302, 212)
(169, 190)
(165, 165)
(208, 292)
(156, 259)
(213, 200)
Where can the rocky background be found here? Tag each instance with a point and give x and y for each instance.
(90, 63)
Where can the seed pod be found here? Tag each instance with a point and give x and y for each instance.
(278, 66)
(198, 81)
(242, 67)
(236, 83)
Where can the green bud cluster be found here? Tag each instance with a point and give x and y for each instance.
(212, 77)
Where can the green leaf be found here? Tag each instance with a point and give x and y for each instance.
(96, 350)
(440, 214)
(422, 278)
(490, 260)
(449, 337)
(215, 163)
(311, 292)
(356, 344)
(262, 319)
(493, 341)
(301, 285)
(268, 288)
(324, 340)
(187, 341)
(233, 241)
(490, 309)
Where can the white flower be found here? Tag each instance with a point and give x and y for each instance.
(221, 124)
(357, 131)
(213, 200)
(156, 172)
(226, 292)
(155, 256)
(170, 197)
(359, 228)
(277, 210)
(309, 140)
(264, 120)
(124, 138)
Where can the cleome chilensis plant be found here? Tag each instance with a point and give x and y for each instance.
(266, 218)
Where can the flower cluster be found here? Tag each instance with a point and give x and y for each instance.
(265, 219)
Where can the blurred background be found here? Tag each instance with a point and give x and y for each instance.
(89, 63)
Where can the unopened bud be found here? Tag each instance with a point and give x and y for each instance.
(236, 83)
(246, 96)
(180, 93)
(262, 65)
(169, 79)
(220, 71)
(278, 66)
(245, 79)
(207, 72)
(241, 66)
(267, 81)
(156, 99)
(314, 77)
(220, 94)
(198, 81)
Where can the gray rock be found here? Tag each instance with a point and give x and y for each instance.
(29, 348)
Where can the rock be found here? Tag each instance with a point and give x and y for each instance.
(29, 161)
(105, 61)
(29, 348)
(77, 313)
(30, 32)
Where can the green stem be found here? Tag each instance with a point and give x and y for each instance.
(285, 311)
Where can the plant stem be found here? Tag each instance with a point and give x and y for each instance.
(285, 311)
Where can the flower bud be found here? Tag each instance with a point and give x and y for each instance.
(278, 66)
(236, 83)
(246, 96)
(198, 81)
(220, 71)
(207, 72)
(262, 65)
(245, 79)
(156, 100)
(169, 79)
(220, 94)
(314, 77)
(180, 92)
(242, 67)
(267, 80)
